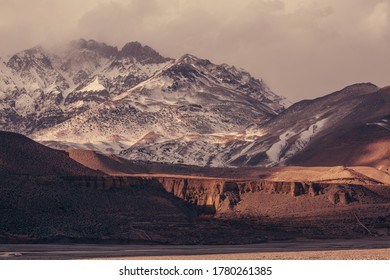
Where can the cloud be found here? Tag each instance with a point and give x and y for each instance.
(24, 24)
(302, 48)
(378, 21)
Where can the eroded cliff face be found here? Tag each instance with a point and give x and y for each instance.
(221, 194)
(214, 195)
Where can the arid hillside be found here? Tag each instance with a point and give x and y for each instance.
(363, 138)
(20, 155)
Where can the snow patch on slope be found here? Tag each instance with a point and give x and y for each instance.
(276, 149)
(24, 105)
(304, 138)
(282, 150)
(384, 123)
(94, 86)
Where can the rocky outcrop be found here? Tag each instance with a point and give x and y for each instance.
(143, 54)
(211, 195)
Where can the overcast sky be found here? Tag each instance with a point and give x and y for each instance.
(301, 48)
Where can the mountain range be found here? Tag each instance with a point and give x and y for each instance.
(137, 104)
(145, 145)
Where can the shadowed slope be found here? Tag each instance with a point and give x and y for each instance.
(20, 155)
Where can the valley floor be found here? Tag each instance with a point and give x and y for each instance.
(304, 249)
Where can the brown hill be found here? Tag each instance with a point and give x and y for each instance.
(20, 155)
(362, 138)
(107, 163)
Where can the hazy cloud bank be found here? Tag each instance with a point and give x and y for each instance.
(302, 48)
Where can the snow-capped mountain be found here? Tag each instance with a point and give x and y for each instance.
(133, 102)
(41, 88)
(350, 126)
(142, 106)
(185, 113)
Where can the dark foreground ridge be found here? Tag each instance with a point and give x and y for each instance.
(174, 210)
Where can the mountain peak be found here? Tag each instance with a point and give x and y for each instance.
(36, 51)
(356, 90)
(92, 45)
(361, 85)
(192, 59)
(26, 58)
(188, 57)
(143, 54)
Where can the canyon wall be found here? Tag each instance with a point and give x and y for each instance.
(214, 194)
